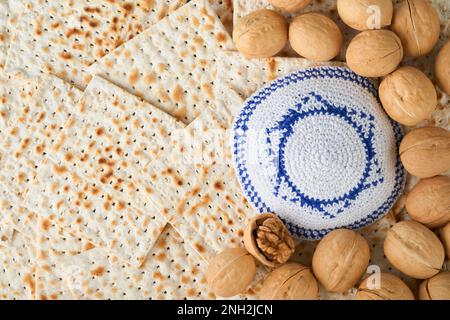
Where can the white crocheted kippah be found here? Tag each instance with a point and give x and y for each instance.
(316, 148)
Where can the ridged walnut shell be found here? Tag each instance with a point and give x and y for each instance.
(389, 288)
(414, 249)
(374, 53)
(408, 96)
(417, 24)
(429, 201)
(290, 6)
(442, 68)
(315, 37)
(340, 259)
(356, 13)
(282, 246)
(425, 152)
(436, 288)
(444, 234)
(261, 34)
(230, 272)
(291, 281)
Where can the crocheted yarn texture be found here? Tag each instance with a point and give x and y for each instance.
(316, 148)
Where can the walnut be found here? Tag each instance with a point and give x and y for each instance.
(268, 240)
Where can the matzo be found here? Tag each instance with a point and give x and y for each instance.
(35, 124)
(110, 136)
(173, 63)
(237, 74)
(30, 130)
(171, 271)
(6, 230)
(4, 14)
(64, 38)
(16, 177)
(47, 113)
(15, 91)
(224, 9)
(65, 199)
(53, 244)
(17, 270)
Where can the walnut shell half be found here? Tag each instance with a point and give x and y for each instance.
(267, 239)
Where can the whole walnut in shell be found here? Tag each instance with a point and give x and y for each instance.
(315, 37)
(417, 24)
(444, 234)
(261, 34)
(340, 259)
(268, 240)
(442, 68)
(408, 96)
(414, 249)
(389, 287)
(429, 201)
(290, 6)
(291, 281)
(357, 14)
(436, 288)
(230, 272)
(425, 152)
(374, 53)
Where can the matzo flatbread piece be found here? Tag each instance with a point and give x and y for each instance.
(30, 130)
(45, 123)
(17, 270)
(171, 271)
(64, 38)
(53, 244)
(35, 124)
(173, 63)
(237, 74)
(34, 165)
(224, 9)
(6, 230)
(4, 15)
(62, 197)
(110, 136)
(15, 91)
(16, 176)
